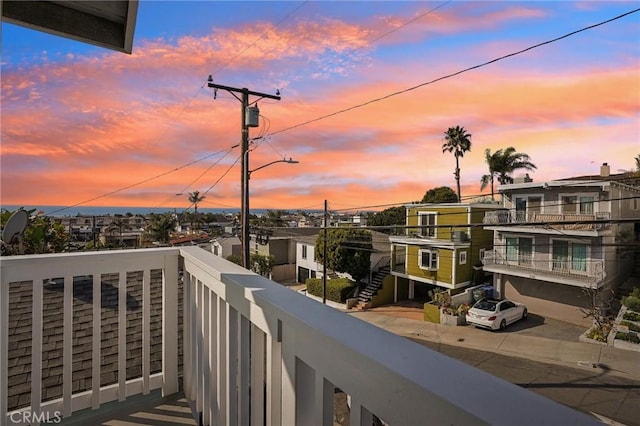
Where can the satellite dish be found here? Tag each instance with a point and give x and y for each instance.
(14, 228)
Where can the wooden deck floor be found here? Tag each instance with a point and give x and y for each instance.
(152, 409)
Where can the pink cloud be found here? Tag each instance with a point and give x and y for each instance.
(100, 124)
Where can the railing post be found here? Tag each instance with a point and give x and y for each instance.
(244, 359)
(96, 340)
(170, 326)
(257, 375)
(4, 348)
(67, 344)
(274, 376)
(324, 401)
(122, 336)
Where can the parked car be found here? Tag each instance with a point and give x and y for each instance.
(495, 314)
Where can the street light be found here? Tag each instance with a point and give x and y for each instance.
(245, 208)
(284, 160)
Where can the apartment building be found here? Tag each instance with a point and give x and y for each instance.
(553, 240)
(440, 247)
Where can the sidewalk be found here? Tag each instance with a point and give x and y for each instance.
(404, 322)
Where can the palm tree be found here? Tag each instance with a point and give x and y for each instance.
(458, 141)
(195, 198)
(637, 158)
(161, 226)
(502, 164)
(492, 161)
(119, 224)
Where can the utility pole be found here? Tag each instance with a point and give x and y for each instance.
(243, 97)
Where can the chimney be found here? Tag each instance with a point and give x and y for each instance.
(522, 179)
(605, 170)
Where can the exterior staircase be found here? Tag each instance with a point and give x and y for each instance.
(365, 296)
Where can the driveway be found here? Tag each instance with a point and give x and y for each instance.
(534, 325)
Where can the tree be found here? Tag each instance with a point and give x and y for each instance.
(41, 235)
(161, 226)
(348, 250)
(391, 217)
(271, 218)
(120, 225)
(458, 141)
(597, 306)
(441, 194)
(492, 161)
(502, 164)
(637, 158)
(261, 264)
(195, 198)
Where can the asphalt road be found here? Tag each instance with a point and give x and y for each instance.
(597, 392)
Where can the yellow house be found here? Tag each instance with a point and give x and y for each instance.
(441, 246)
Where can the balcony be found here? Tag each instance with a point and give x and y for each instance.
(238, 348)
(549, 221)
(587, 273)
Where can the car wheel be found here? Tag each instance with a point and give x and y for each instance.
(503, 324)
(524, 313)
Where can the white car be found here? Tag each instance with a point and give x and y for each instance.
(495, 314)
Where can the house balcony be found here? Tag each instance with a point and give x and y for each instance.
(587, 273)
(549, 222)
(83, 331)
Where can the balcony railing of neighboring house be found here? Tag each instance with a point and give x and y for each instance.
(549, 220)
(586, 270)
(254, 351)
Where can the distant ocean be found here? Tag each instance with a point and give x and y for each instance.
(60, 211)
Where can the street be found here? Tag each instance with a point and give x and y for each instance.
(607, 395)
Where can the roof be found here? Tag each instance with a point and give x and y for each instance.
(451, 205)
(108, 24)
(630, 180)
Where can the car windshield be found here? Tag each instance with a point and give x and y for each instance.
(486, 305)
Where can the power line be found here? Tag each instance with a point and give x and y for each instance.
(261, 36)
(124, 188)
(400, 92)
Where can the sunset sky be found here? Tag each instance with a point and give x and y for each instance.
(366, 99)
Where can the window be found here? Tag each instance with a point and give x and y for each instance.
(586, 205)
(569, 204)
(427, 220)
(521, 209)
(569, 256)
(304, 251)
(519, 250)
(428, 259)
(462, 258)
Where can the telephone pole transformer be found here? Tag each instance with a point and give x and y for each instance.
(249, 119)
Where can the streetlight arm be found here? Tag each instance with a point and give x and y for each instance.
(284, 160)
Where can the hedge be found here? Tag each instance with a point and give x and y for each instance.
(337, 289)
(629, 337)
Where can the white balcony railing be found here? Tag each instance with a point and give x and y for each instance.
(575, 221)
(254, 352)
(588, 270)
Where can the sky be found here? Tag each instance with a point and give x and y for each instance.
(368, 89)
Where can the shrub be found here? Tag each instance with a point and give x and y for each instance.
(337, 290)
(598, 334)
(628, 337)
(632, 326)
(631, 316)
(632, 302)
